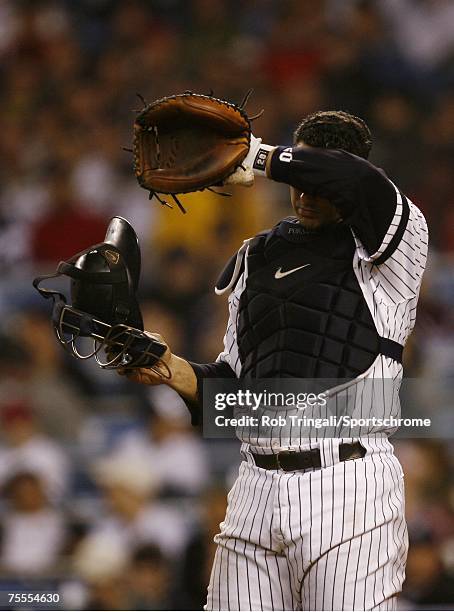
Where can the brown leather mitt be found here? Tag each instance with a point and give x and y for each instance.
(188, 142)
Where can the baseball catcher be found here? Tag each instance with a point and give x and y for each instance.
(330, 292)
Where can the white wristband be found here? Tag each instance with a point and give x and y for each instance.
(253, 164)
(260, 159)
(257, 156)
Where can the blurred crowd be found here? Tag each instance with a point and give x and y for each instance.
(108, 494)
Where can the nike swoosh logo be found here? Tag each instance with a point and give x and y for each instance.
(280, 274)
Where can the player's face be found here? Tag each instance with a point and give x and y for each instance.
(313, 211)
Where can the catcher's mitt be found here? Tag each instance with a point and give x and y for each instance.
(189, 142)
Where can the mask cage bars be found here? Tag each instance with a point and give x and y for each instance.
(124, 346)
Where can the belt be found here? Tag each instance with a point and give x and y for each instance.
(292, 461)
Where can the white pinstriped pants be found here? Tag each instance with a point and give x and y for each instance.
(328, 539)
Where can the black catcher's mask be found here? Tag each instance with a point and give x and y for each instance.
(104, 281)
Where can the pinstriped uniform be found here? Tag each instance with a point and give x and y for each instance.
(327, 539)
(333, 538)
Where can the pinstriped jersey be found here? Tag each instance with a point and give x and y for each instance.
(391, 241)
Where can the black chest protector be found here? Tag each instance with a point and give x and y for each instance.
(302, 312)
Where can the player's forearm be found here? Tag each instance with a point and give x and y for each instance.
(310, 168)
(361, 192)
(187, 379)
(183, 379)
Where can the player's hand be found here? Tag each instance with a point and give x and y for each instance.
(158, 374)
(170, 370)
(245, 175)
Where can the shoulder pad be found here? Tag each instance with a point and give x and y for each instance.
(232, 271)
(234, 267)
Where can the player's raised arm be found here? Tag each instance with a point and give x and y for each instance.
(319, 166)
(363, 195)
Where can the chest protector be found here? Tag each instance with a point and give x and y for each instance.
(302, 312)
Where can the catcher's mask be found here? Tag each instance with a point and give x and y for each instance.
(104, 281)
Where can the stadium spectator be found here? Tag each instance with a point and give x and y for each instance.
(168, 446)
(131, 515)
(149, 580)
(25, 448)
(33, 532)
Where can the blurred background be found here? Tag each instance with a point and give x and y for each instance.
(108, 495)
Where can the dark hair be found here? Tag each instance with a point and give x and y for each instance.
(148, 554)
(335, 130)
